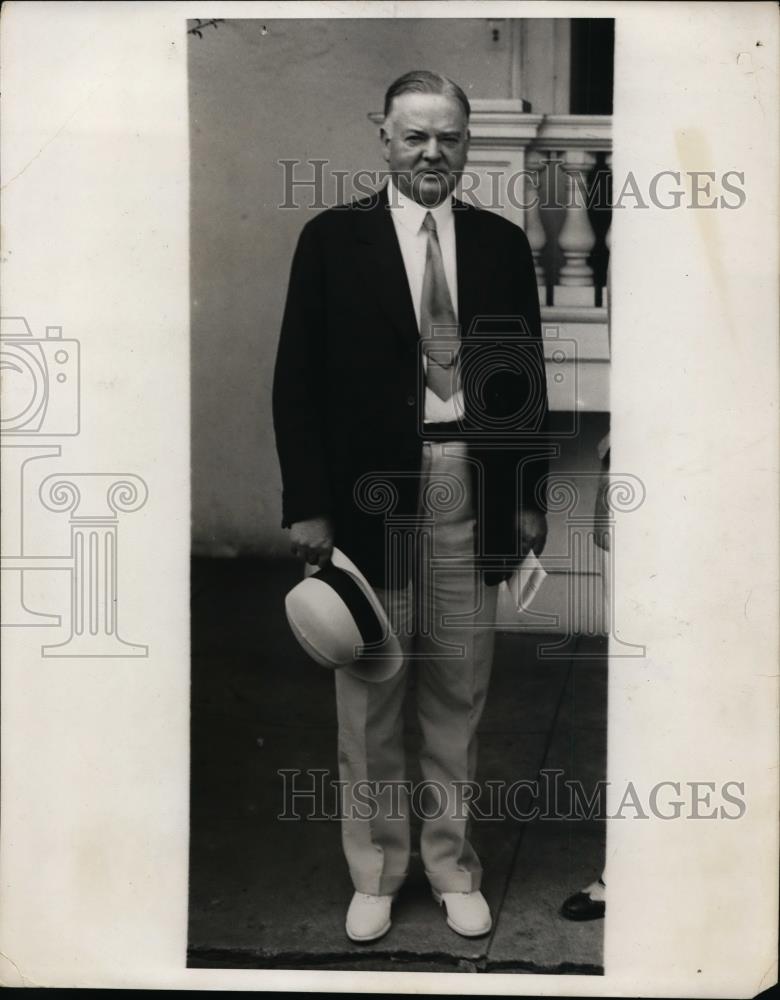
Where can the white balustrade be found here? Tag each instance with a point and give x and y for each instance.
(557, 154)
(571, 142)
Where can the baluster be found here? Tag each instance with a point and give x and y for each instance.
(534, 230)
(576, 239)
(607, 240)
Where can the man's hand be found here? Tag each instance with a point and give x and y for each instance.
(312, 540)
(532, 528)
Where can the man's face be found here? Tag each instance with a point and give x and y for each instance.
(426, 141)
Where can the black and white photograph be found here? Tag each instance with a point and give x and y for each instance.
(389, 465)
(399, 609)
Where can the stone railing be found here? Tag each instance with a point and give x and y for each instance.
(554, 184)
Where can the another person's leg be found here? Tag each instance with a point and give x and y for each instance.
(590, 903)
(587, 904)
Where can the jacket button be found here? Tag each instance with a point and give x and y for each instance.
(410, 400)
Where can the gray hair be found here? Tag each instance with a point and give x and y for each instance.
(423, 81)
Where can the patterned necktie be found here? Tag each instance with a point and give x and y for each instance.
(436, 312)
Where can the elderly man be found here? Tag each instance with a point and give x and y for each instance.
(419, 455)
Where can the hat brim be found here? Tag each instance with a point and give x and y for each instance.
(382, 661)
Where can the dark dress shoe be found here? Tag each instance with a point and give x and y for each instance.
(580, 906)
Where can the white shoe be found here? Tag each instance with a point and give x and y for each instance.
(467, 912)
(368, 917)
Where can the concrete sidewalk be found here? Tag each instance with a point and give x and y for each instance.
(269, 893)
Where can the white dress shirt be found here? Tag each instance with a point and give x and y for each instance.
(408, 218)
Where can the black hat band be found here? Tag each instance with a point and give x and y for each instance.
(368, 623)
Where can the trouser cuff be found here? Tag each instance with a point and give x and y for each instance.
(376, 885)
(455, 881)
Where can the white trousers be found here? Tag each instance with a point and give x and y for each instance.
(445, 621)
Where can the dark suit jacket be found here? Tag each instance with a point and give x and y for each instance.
(349, 390)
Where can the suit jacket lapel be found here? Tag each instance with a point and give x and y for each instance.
(383, 267)
(472, 273)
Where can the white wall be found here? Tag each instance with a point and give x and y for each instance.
(291, 89)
